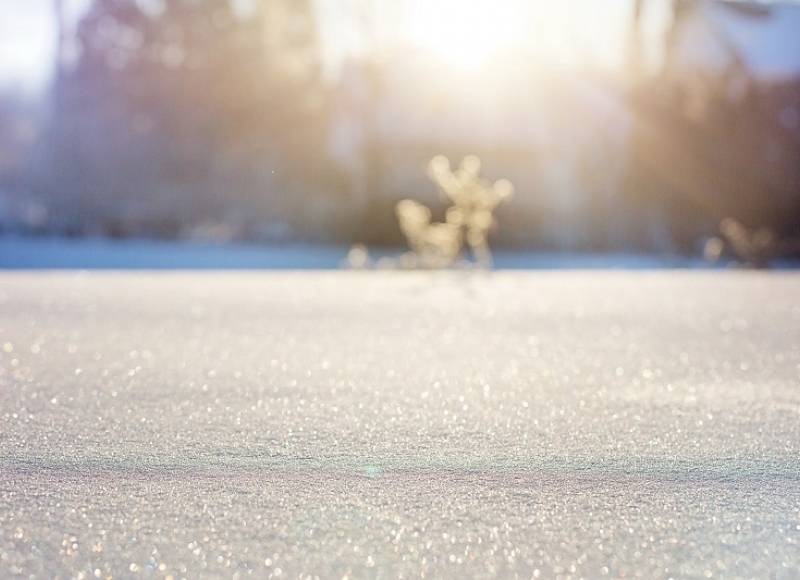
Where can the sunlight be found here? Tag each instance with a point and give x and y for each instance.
(465, 35)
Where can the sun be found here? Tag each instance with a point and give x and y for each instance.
(465, 34)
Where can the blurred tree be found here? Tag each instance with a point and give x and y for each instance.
(185, 111)
(635, 41)
(375, 23)
(17, 131)
(714, 137)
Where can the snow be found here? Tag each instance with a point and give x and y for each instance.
(104, 254)
(21, 253)
(384, 424)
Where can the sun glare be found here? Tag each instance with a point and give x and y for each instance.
(465, 34)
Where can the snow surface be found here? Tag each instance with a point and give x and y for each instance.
(104, 254)
(28, 253)
(395, 424)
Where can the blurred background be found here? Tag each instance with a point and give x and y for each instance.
(624, 125)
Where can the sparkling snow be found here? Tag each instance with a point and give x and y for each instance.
(400, 424)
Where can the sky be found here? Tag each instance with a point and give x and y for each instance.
(27, 35)
(28, 31)
(565, 32)
(28, 40)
